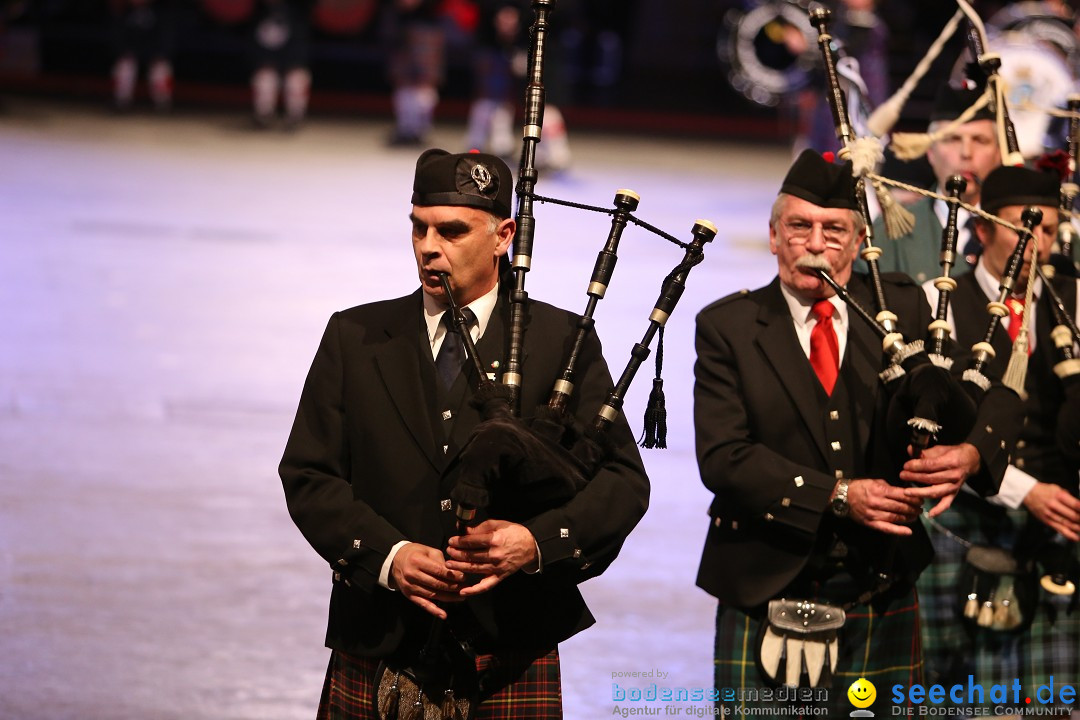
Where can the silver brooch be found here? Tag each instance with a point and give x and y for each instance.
(481, 176)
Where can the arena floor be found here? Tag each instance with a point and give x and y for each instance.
(164, 284)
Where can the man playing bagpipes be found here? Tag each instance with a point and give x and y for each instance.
(384, 412)
(968, 149)
(984, 613)
(812, 550)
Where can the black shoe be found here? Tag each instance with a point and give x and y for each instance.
(262, 122)
(291, 123)
(402, 139)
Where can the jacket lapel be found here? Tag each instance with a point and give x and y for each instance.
(781, 349)
(490, 348)
(400, 362)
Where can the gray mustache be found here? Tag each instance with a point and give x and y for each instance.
(813, 262)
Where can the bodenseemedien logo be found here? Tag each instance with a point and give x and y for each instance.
(862, 695)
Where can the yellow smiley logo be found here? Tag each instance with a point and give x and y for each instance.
(862, 693)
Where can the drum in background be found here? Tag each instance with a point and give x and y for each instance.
(1038, 50)
(769, 49)
(1037, 77)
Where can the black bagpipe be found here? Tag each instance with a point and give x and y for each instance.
(1051, 550)
(1070, 187)
(974, 376)
(515, 465)
(1065, 333)
(1061, 574)
(926, 403)
(514, 468)
(527, 176)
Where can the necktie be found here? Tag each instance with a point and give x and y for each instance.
(1016, 316)
(824, 347)
(972, 249)
(451, 357)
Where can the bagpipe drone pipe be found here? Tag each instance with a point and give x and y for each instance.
(519, 462)
(927, 403)
(1043, 545)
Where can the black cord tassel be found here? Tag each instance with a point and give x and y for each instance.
(655, 431)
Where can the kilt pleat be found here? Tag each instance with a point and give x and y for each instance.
(513, 685)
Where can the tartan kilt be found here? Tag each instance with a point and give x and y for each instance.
(525, 685)
(881, 646)
(1050, 646)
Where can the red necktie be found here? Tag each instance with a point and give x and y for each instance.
(1016, 316)
(824, 347)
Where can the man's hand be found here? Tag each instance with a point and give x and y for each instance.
(420, 573)
(1055, 507)
(942, 469)
(493, 549)
(881, 506)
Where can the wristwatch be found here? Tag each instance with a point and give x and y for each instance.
(840, 505)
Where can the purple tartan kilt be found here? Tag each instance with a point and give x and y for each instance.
(520, 685)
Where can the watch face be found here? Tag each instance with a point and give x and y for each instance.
(839, 503)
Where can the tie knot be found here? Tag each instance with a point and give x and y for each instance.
(448, 319)
(823, 310)
(1016, 305)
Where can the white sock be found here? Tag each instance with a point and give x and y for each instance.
(264, 87)
(297, 91)
(161, 83)
(124, 74)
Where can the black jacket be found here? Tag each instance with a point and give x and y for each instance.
(364, 463)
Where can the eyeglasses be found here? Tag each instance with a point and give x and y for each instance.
(798, 232)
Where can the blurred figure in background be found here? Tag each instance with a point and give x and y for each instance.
(500, 60)
(417, 63)
(144, 37)
(501, 66)
(862, 37)
(970, 150)
(280, 61)
(594, 36)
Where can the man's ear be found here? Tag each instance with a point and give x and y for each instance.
(505, 234)
(982, 230)
(857, 245)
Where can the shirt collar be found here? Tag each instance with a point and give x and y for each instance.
(802, 310)
(941, 209)
(991, 286)
(482, 307)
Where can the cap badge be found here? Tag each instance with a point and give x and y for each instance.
(481, 176)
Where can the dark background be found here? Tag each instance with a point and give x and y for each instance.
(672, 78)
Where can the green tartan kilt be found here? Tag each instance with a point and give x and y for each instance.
(879, 644)
(953, 651)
